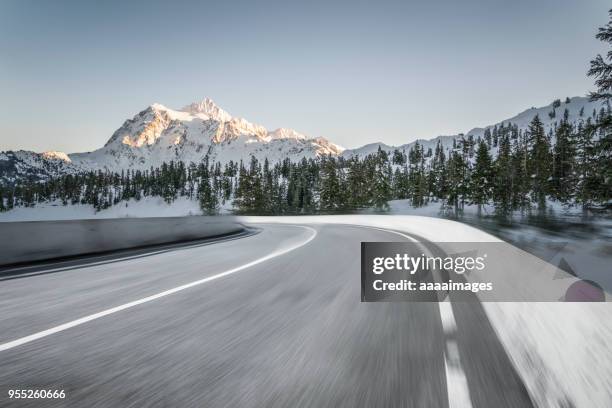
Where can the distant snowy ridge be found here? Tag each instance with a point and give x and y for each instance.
(575, 106)
(22, 165)
(159, 134)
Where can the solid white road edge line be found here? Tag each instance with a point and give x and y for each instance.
(89, 318)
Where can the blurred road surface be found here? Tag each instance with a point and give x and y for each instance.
(283, 328)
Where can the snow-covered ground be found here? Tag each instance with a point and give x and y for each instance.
(563, 351)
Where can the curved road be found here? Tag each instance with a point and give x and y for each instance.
(273, 319)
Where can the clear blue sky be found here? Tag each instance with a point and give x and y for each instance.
(355, 72)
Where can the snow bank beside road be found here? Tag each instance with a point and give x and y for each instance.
(563, 351)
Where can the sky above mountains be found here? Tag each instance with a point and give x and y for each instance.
(354, 72)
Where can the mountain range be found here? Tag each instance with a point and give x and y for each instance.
(159, 134)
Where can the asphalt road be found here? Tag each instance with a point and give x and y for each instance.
(272, 319)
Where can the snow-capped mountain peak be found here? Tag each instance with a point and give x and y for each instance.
(208, 108)
(55, 155)
(284, 133)
(143, 129)
(160, 134)
(158, 107)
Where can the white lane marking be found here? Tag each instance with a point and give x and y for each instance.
(389, 231)
(89, 318)
(449, 325)
(456, 382)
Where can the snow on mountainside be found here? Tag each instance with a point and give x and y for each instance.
(23, 165)
(575, 106)
(54, 155)
(159, 134)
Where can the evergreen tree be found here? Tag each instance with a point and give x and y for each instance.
(250, 195)
(417, 177)
(456, 171)
(207, 198)
(588, 176)
(399, 157)
(381, 188)
(481, 180)
(330, 189)
(356, 195)
(268, 189)
(598, 180)
(601, 67)
(401, 183)
(438, 184)
(503, 186)
(563, 179)
(539, 162)
(522, 179)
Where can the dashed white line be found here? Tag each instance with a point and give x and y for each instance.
(456, 382)
(449, 325)
(27, 339)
